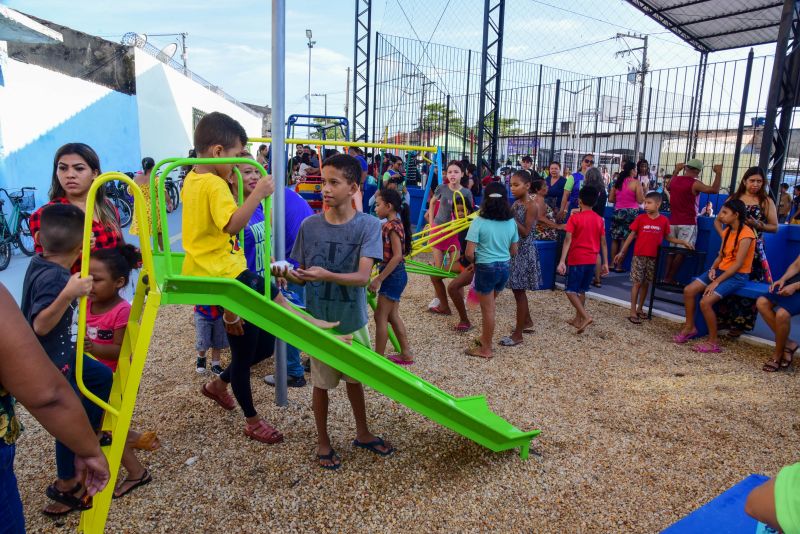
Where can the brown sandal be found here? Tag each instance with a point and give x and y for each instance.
(263, 432)
(473, 351)
(225, 400)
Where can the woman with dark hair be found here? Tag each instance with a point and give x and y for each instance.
(491, 241)
(555, 187)
(738, 314)
(75, 166)
(475, 188)
(626, 195)
(646, 177)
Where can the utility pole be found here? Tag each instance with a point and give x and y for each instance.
(347, 97)
(422, 109)
(310, 46)
(642, 75)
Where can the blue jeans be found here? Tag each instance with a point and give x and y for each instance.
(97, 377)
(293, 366)
(13, 522)
(491, 277)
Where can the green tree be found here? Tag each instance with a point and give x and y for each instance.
(507, 126)
(332, 133)
(435, 118)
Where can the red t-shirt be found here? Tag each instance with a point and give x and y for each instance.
(649, 234)
(100, 328)
(586, 228)
(682, 201)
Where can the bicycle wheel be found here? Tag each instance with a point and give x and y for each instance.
(125, 211)
(5, 255)
(175, 196)
(24, 236)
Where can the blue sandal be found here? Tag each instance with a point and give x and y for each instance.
(333, 457)
(372, 446)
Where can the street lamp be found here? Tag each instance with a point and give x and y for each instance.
(310, 46)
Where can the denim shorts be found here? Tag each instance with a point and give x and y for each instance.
(10, 503)
(209, 333)
(491, 277)
(791, 303)
(727, 287)
(395, 283)
(579, 277)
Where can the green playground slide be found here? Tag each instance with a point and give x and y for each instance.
(469, 416)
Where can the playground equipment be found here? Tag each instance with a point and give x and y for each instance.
(160, 282)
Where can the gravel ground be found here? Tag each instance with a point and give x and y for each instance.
(636, 433)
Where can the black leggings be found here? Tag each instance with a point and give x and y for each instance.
(247, 350)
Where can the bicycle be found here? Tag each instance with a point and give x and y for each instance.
(15, 230)
(117, 195)
(171, 189)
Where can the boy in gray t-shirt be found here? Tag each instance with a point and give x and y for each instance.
(336, 251)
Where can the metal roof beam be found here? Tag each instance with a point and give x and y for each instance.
(655, 14)
(725, 16)
(740, 30)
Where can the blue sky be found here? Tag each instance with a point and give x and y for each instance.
(230, 47)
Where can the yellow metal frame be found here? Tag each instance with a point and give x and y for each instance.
(119, 408)
(333, 142)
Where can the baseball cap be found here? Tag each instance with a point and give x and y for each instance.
(695, 164)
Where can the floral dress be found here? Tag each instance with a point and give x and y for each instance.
(542, 232)
(525, 272)
(739, 313)
(10, 427)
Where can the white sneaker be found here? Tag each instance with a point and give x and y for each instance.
(434, 303)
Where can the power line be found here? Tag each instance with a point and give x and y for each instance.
(569, 49)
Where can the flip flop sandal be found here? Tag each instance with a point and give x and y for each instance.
(67, 498)
(438, 311)
(706, 348)
(226, 401)
(771, 366)
(680, 338)
(332, 457)
(508, 341)
(635, 320)
(463, 327)
(642, 316)
(528, 331)
(595, 283)
(137, 482)
(786, 363)
(263, 432)
(373, 445)
(399, 361)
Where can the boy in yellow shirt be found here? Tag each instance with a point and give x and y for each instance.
(211, 223)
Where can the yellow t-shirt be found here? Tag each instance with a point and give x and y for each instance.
(207, 207)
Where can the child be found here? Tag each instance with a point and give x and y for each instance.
(211, 222)
(336, 250)
(106, 320)
(526, 272)
(143, 181)
(445, 195)
(586, 237)
(209, 334)
(777, 501)
(729, 272)
(392, 277)
(491, 241)
(649, 229)
(49, 296)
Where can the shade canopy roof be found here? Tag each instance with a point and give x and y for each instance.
(713, 25)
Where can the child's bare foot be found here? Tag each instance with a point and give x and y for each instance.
(573, 322)
(583, 324)
(479, 352)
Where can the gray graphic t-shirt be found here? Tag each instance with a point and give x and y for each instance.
(338, 248)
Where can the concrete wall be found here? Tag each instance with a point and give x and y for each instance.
(167, 101)
(42, 109)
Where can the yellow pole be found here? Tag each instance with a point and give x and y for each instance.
(333, 142)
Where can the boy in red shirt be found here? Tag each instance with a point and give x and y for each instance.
(650, 229)
(586, 237)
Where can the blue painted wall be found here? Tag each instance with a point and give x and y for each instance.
(109, 125)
